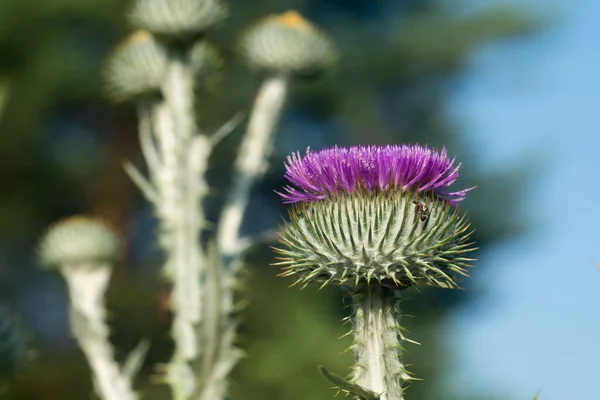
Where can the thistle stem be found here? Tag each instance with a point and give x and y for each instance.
(377, 341)
(183, 157)
(251, 162)
(87, 285)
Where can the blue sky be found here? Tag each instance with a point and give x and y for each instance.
(538, 325)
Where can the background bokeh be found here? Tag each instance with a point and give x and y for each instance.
(511, 89)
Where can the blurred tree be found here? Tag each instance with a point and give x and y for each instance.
(62, 144)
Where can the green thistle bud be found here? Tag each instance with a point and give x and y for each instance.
(288, 43)
(136, 68)
(204, 58)
(177, 19)
(78, 240)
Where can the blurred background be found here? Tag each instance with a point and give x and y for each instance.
(510, 88)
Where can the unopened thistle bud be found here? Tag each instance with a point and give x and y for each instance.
(288, 43)
(177, 19)
(378, 213)
(78, 241)
(136, 68)
(83, 250)
(204, 58)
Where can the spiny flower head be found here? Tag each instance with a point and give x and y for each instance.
(381, 213)
(329, 172)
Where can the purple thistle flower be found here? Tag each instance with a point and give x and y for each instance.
(375, 220)
(327, 172)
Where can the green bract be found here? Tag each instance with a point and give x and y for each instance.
(396, 238)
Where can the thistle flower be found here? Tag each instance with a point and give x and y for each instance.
(288, 43)
(383, 168)
(374, 212)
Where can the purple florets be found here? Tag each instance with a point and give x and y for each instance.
(328, 172)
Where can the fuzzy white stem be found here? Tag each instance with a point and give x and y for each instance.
(87, 285)
(250, 165)
(377, 342)
(181, 186)
(219, 328)
(251, 162)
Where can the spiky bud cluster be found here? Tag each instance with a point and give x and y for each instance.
(78, 241)
(136, 68)
(374, 213)
(288, 43)
(177, 19)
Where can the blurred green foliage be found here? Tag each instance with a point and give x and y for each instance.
(61, 145)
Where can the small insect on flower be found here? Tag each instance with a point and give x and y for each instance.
(422, 210)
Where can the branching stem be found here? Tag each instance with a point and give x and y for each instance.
(181, 187)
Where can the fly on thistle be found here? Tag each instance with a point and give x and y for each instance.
(421, 210)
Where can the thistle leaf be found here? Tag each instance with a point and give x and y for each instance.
(136, 358)
(344, 385)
